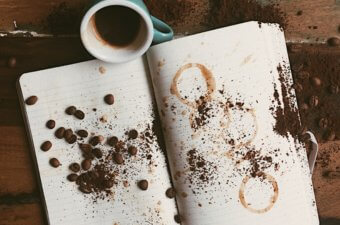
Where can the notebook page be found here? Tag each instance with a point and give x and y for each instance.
(280, 56)
(214, 91)
(84, 85)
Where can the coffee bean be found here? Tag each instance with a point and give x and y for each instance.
(297, 67)
(132, 150)
(75, 167)
(86, 164)
(304, 107)
(82, 133)
(109, 99)
(298, 87)
(72, 177)
(71, 110)
(50, 124)
(294, 48)
(85, 148)
(143, 185)
(72, 139)
(316, 82)
(96, 140)
(12, 62)
(333, 41)
(323, 123)
(68, 133)
(97, 153)
(31, 100)
(88, 155)
(303, 75)
(170, 193)
(79, 114)
(177, 218)
(108, 183)
(59, 133)
(112, 141)
(329, 135)
(313, 101)
(46, 146)
(54, 162)
(133, 134)
(118, 158)
(334, 89)
(85, 189)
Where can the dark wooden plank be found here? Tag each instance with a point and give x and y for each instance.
(23, 214)
(62, 17)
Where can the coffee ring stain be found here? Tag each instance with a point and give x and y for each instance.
(273, 198)
(205, 72)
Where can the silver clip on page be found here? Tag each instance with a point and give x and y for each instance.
(314, 152)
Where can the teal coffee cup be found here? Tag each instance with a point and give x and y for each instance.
(118, 31)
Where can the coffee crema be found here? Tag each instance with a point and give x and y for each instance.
(117, 25)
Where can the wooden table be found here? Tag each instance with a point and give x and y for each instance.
(54, 41)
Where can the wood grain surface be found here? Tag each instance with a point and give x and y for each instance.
(320, 19)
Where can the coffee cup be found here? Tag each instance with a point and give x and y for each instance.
(118, 31)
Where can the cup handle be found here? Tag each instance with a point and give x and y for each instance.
(161, 31)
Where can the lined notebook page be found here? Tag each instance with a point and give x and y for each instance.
(214, 91)
(84, 85)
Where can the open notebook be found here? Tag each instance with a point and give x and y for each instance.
(219, 95)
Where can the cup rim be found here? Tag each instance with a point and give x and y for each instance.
(95, 8)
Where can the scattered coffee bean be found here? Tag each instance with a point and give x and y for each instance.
(46, 146)
(133, 134)
(88, 155)
(75, 167)
(303, 75)
(86, 164)
(85, 189)
(71, 110)
(294, 48)
(72, 139)
(79, 114)
(112, 141)
(298, 87)
(59, 133)
(297, 67)
(323, 123)
(108, 183)
(12, 62)
(132, 150)
(313, 101)
(31, 100)
(97, 153)
(68, 133)
(333, 41)
(82, 133)
(143, 185)
(72, 177)
(95, 140)
(118, 158)
(316, 82)
(85, 148)
(177, 218)
(54, 162)
(170, 193)
(109, 99)
(50, 124)
(329, 135)
(334, 89)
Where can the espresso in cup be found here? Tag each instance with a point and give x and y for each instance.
(117, 25)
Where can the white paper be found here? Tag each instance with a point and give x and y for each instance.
(84, 85)
(238, 60)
